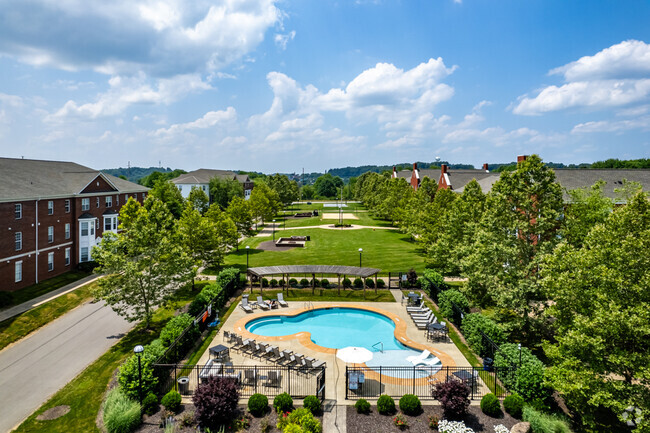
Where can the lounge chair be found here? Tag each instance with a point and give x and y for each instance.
(422, 324)
(415, 359)
(244, 304)
(239, 343)
(278, 357)
(313, 363)
(273, 379)
(281, 300)
(428, 362)
(419, 313)
(422, 317)
(249, 376)
(421, 309)
(262, 303)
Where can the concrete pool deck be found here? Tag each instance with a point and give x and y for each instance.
(405, 332)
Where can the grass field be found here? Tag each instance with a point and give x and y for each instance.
(388, 250)
(36, 290)
(363, 219)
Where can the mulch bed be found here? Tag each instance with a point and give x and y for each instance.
(376, 423)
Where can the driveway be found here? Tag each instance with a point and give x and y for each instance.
(33, 369)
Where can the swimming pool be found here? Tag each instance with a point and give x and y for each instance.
(341, 327)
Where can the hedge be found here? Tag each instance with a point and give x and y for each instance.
(128, 372)
(528, 379)
(447, 297)
(475, 322)
(430, 280)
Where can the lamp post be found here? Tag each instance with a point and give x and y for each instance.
(360, 252)
(519, 347)
(138, 350)
(247, 250)
(273, 230)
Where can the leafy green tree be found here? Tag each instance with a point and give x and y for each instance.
(601, 293)
(222, 191)
(307, 192)
(199, 200)
(151, 179)
(199, 237)
(328, 186)
(225, 228)
(287, 190)
(240, 213)
(169, 194)
(144, 263)
(587, 207)
(518, 228)
(264, 202)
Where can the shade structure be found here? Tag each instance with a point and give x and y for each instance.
(354, 355)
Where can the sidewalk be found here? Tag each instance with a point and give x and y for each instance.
(33, 303)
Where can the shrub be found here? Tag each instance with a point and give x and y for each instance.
(172, 401)
(257, 404)
(274, 282)
(293, 282)
(358, 283)
(121, 415)
(528, 379)
(347, 283)
(282, 283)
(187, 418)
(475, 322)
(431, 282)
(410, 404)
(316, 282)
(304, 282)
(400, 422)
(412, 277)
(242, 423)
(490, 405)
(216, 401)
(6, 298)
(325, 283)
(453, 397)
(433, 422)
(283, 402)
(381, 284)
(264, 425)
(362, 406)
(385, 405)
(312, 403)
(175, 327)
(87, 266)
(446, 426)
(299, 421)
(150, 404)
(447, 297)
(128, 372)
(370, 283)
(265, 282)
(544, 423)
(513, 404)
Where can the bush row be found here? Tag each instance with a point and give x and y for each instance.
(528, 379)
(325, 283)
(472, 325)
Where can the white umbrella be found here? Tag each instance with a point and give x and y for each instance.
(352, 354)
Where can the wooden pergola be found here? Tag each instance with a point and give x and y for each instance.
(286, 270)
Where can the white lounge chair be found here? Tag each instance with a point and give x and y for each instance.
(415, 359)
(262, 303)
(281, 300)
(422, 324)
(429, 362)
(244, 304)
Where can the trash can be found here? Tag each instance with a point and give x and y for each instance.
(308, 238)
(183, 385)
(488, 364)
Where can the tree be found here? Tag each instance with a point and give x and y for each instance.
(222, 191)
(199, 237)
(287, 190)
(328, 186)
(225, 228)
(240, 213)
(307, 192)
(601, 293)
(199, 200)
(587, 207)
(264, 202)
(144, 263)
(169, 194)
(518, 228)
(151, 179)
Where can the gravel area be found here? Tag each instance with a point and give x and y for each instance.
(270, 246)
(376, 423)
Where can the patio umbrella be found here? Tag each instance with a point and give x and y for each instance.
(352, 354)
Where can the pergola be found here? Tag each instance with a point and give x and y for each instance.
(287, 270)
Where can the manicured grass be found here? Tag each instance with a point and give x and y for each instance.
(388, 250)
(363, 219)
(84, 393)
(15, 328)
(31, 292)
(327, 295)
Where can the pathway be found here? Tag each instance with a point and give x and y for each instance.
(268, 229)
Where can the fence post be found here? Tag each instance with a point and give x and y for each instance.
(380, 379)
(346, 381)
(414, 380)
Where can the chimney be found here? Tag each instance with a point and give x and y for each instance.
(415, 166)
(443, 168)
(486, 168)
(394, 172)
(521, 158)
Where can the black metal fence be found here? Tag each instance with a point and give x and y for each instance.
(366, 382)
(270, 380)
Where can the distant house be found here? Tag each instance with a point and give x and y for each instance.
(446, 178)
(201, 179)
(51, 215)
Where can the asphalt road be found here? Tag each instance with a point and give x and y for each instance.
(33, 369)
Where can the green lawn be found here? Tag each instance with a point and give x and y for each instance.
(363, 219)
(31, 292)
(20, 326)
(327, 295)
(388, 250)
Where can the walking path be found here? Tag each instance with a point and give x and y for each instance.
(268, 229)
(33, 303)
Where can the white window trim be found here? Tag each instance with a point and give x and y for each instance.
(50, 262)
(68, 231)
(85, 204)
(67, 256)
(18, 264)
(67, 206)
(18, 206)
(50, 207)
(50, 232)
(16, 236)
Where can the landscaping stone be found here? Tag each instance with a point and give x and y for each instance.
(522, 427)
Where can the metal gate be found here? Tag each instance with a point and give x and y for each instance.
(320, 385)
(394, 280)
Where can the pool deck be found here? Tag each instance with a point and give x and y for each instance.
(405, 332)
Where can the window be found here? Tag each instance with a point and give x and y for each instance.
(84, 254)
(109, 201)
(67, 256)
(19, 241)
(50, 261)
(50, 207)
(50, 234)
(19, 271)
(85, 204)
(19, 211)
(67, 230)
(126, 198)
(110, 223)
(84, 228)
(97, 201)
(67, 206)
(144, 195)
(117, 200)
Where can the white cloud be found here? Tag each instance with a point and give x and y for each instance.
(122, 37)
(642, 123)
(210, 119)
(11, 100)
(613, 77)
(282, 40)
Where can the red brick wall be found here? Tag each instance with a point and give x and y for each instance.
(98, 185)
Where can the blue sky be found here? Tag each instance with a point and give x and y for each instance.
(275, 86)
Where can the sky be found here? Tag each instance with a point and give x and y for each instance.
(287, 85)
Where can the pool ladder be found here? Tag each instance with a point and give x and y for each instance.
(379, 343)
(308, 306)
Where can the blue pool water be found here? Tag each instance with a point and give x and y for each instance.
(342, 327)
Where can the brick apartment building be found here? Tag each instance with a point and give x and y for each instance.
(201, 179)
(51, 215)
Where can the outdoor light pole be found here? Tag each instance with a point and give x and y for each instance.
(247, 249)
(519, 346)
(138, 350)
(360, 251)
(273, 230)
